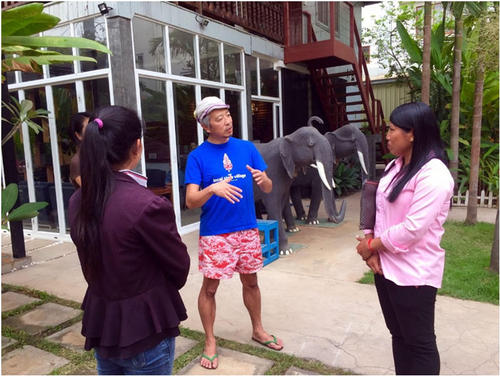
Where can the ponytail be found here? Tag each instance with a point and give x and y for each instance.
(108, 139)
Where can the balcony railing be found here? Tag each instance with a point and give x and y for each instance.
(263, 18)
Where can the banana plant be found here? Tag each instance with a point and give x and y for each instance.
(25, 211)
(23, 51)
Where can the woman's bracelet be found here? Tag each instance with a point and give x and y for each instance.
(369, 241)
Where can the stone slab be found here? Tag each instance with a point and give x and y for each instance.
(61, 277)
(6, 342)
(230, 363)
(298, 371)
(53, 251)
(182, 345)
(41, 318)
(6, 240)
(29, 245)
(29, 360)
(12, 300)
(70, 337)
(10, 263)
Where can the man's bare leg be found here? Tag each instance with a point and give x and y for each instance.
(252, 300)
(206, 307)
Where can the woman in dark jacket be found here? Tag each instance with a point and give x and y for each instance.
(131, 254)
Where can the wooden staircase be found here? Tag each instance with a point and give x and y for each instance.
(346, 96)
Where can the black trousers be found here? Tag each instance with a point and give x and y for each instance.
(409, 316)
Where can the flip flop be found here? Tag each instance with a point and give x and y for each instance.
(211, 359)
(267, 343)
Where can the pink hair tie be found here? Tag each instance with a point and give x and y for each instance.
(99, 122)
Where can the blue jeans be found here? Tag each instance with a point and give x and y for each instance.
(156, 361)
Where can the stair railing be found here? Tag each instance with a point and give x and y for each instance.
(374, 111)
(325, 85)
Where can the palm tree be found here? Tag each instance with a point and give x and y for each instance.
(471, 217)
(485, 40)
(426, 56)
(457, 8)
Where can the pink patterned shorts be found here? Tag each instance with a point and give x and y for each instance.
(221, 255)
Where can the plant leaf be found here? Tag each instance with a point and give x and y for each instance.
(27, 210)
(29, 25)
(9, 197)
(50, 41)
(36, 128)
(409, 44)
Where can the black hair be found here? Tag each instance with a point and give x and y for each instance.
(427, 142)
(101, 149)
(76, 124)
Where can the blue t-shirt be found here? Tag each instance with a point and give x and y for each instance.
(211, 163)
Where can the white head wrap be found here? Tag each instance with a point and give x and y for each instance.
(207, 105)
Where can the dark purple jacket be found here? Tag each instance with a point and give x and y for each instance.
(135, 302)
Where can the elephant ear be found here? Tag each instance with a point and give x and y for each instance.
(331, 137)
(286, 156)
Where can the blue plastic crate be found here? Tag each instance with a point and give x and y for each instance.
(270, 247)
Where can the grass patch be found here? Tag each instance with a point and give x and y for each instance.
(466, 271)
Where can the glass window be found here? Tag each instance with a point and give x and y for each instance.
(209, 92)
(209, 59)
(21, 162)
(11, 77)
(156, 139)
(149, 45)
(181, 52)
(251, 63)
(63, 68)
(30, 76)
(96, 93)
(233, 100)
(262, 121)
(43, 172)
(268, 79)
(323, 12)
(232, 65)
(187, 140)
(65, 105)
(94, 29)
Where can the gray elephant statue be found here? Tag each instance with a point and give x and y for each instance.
(284, 156)
(346, 141)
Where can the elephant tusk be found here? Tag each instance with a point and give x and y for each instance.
(333, 183)
(313, 165)
(322, 175)
(362, 161)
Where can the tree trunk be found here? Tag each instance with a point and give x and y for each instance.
(494, 249)
(471, 217)
(455, 98)
(10, 176)
(426, 56)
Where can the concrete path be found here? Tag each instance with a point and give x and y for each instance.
(311, 300)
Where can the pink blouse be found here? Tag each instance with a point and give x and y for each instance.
(412, 226)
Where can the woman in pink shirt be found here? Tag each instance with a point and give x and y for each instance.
(412, 202)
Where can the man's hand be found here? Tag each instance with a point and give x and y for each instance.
(225, 190)
(261, 179)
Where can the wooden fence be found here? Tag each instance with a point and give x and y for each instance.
(484, 201)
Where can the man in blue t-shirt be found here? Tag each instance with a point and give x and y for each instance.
(219, 179)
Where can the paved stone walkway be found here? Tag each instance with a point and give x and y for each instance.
(32, 322)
